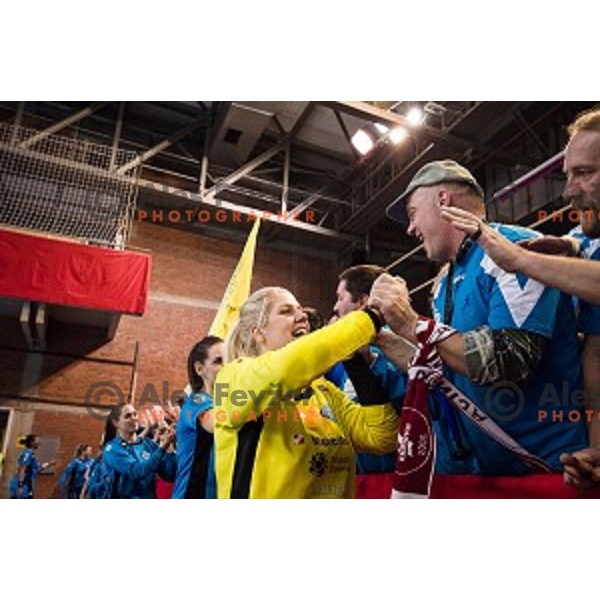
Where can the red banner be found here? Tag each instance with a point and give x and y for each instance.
(543, 486)
(60, 272)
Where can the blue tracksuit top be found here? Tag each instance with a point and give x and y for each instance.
(135, 466)
(195, 451)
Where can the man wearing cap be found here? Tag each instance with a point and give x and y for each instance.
(515, 352)
(580, 278)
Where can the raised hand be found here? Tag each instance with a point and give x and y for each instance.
(172, 411)
(505, 254)
(145, 424)
(167, 437)
(389, 295)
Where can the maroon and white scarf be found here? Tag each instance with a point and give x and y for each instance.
(415, 462)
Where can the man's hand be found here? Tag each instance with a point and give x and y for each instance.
(550, 244)
(389, 295)
(505, 254)
(582, 468)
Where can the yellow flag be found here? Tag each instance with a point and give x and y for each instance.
(238, 290)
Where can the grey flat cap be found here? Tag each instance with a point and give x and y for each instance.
(439, 171)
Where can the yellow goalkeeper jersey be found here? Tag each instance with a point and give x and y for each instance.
(283, 431)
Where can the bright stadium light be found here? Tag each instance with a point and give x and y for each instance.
(362, 141)
(397, 135)
(415, 116)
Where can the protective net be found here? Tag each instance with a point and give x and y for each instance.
(65, 186)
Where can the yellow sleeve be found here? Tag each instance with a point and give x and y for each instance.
(370, 428)
(253, 384)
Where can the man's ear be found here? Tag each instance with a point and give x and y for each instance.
(363, 301)
(444, 198)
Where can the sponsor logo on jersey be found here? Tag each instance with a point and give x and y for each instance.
(330, 441)
(318, 464)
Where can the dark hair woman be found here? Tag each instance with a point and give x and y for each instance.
(133, 461)
(195, 440)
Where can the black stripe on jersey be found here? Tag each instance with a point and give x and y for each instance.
(196, 487)
(245, 455)
(368, 390)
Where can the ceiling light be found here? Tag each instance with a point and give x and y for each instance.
(381, 128)
(362, 141)
(415, 116)
(398, 135)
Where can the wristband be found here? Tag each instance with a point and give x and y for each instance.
(376, 318)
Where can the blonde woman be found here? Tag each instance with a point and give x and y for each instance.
(281, 429)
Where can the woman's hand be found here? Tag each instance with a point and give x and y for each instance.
(173, 412)
(167, 437)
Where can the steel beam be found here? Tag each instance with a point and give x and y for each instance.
(17, 123)
(212, 202)
(347, 135)
(301, 120)
(405, 257)
(117, 136)
(372, 113)
(243, 171)
(286, 178)
(134, 372)
(301, 145)
(531, 133)
(279, 125)
(67, 122)
(178, 135)
(550, 166)
(310, 200)
(373, 201)
(204, 159)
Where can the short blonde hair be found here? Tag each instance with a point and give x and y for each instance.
(255, 313)
(467, 197)
(587, 121)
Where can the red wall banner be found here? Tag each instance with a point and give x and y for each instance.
(60, 272)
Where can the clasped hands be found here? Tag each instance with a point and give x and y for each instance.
(390, 298)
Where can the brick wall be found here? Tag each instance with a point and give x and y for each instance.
(189, 275)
